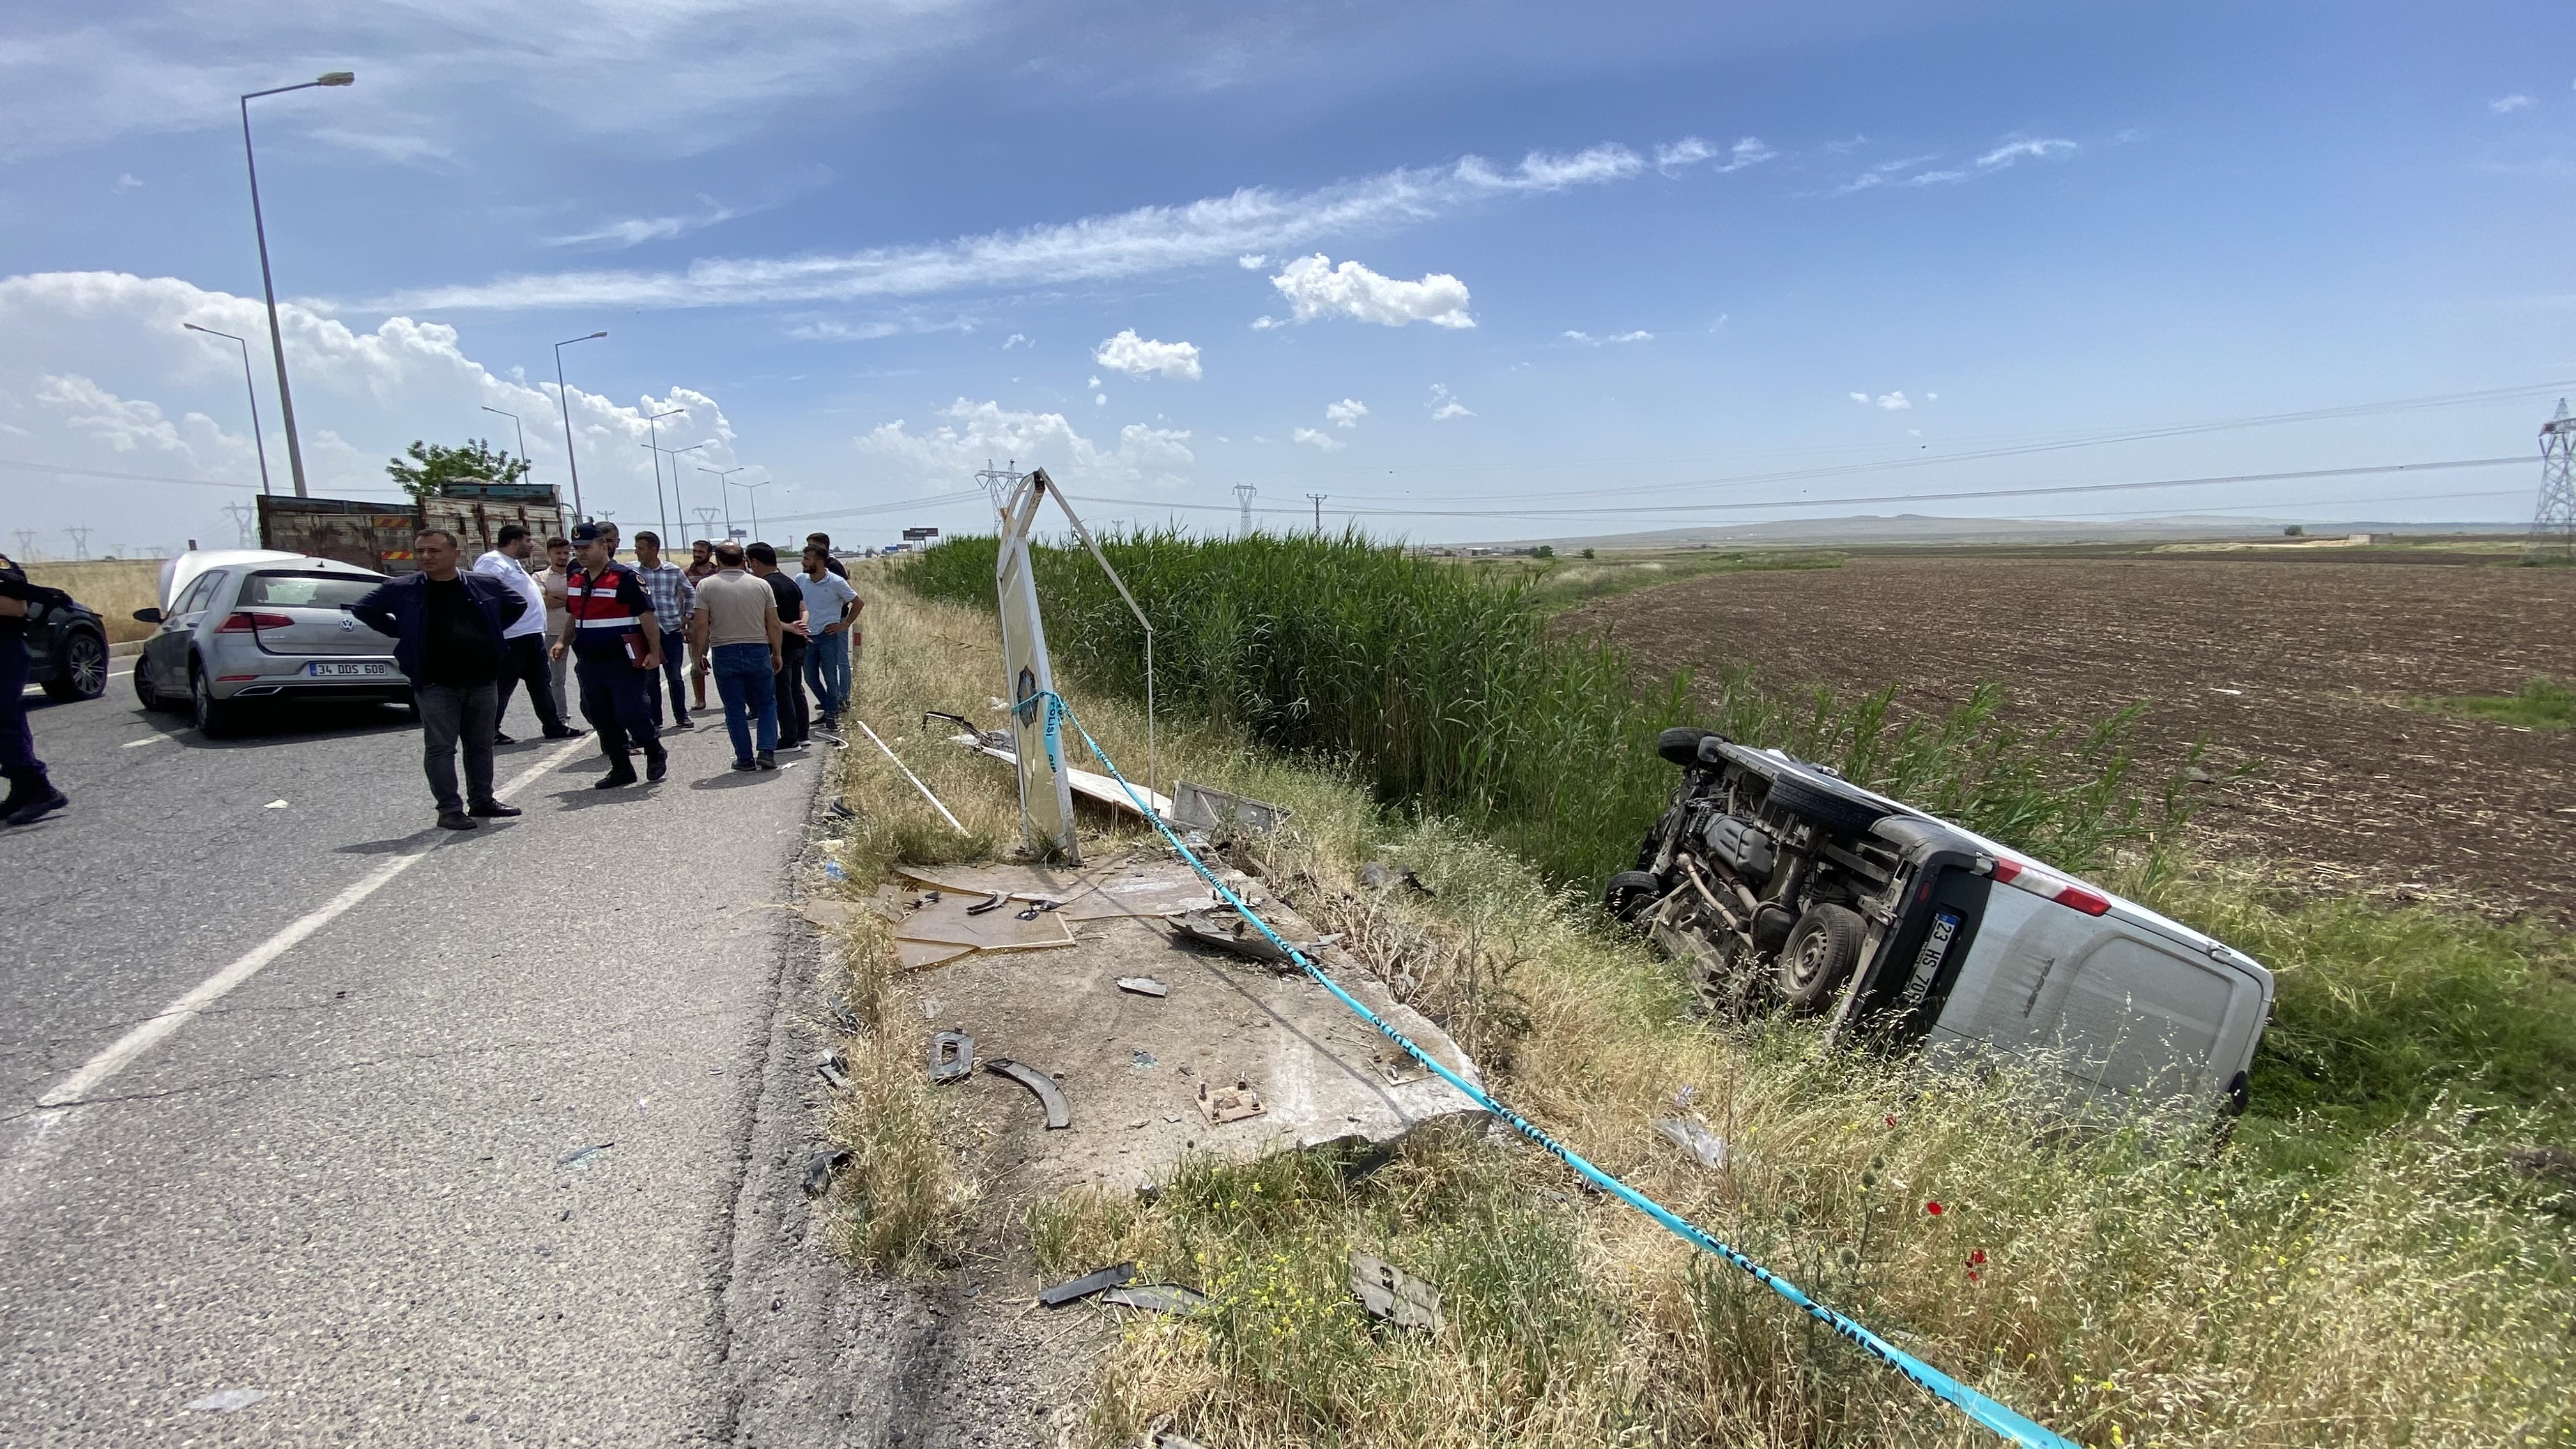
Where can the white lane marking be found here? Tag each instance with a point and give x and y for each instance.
(146, 740)
(121, 1053)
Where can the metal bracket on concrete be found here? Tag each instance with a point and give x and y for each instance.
(1229, 1104)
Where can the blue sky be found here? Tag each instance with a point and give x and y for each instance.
(1576, 260)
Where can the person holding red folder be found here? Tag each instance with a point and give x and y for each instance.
(616, 649)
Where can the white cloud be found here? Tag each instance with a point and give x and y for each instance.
(126, 181)
(1144, 357)
(963, 435)
(632, 231)
(101, 377)
(1016, 339)
(1445, 405)
(1588, 340)
(2031, 148)
(393, 147)
(1252, 261)
(1149, 239)
(1325, 441)
(833, 329)
(2507, 105)
(1859, 397)
(1931, 397)
(1346, 413)
(1316, 288)
(1674, 157)
(1894, 402)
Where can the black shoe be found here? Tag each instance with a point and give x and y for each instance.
(499, 738)
(456, 820)
(657, 763)
(495, 810)
(766, 760)
(745, 766)
(683, 723)
(25, 788)
(621, 773)
(44, 800)
(562, 733)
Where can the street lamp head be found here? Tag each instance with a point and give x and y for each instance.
(336, 78)
(602, 332)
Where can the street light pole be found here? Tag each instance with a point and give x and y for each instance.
(523, 434)
(563, 398)
(676, 506)
(251, 387)
(655, 423)
(724, 492)
(259, 228)
(755, 504)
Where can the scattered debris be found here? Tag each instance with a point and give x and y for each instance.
(228, 1401)
(1058, 1115)
(1234, 935)
(1390, 1293)
(580, 1155)
(841, 1013)
(840, 810)
(820, 1167)
(1099, 788)
(1086, 1285)
(1379, 874)
(834, 1069)
(1037, 909)
(832, 869)
(1229, 1104)
(1143, 986)
(1141, 1059)
(1169, 1298)
(999, 900)
(952, 1057)
(1176, 1441)
(827, 914)
(1698, 1141)
(273, 805)
(1222, 811)
(1398, 1066)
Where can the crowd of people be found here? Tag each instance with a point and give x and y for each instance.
(635, 639)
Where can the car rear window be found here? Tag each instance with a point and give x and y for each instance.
(305, 591)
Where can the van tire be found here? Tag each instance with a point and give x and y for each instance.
(1629, 893)
(1821, 951)
(1840, 809)
(1680, 746)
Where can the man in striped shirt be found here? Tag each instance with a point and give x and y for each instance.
(675, 598)
(616, 646)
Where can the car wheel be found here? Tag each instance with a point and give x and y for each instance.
(1680, 746)
(144, 694)
(1822, 949)
(80, 668)
(215, 717)
(1835, 807)
(1629, 893)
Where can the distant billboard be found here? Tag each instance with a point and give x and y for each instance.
(917, 535)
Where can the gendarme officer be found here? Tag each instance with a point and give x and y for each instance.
(616, 646)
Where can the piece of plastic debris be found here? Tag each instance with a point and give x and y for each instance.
(580, 1155)
(1141, 1058)
(832, 868)
(1229, 1104)
(1058, 1114)
(1169, 1298)
(1223, 811)
(1000, 899)
(1706, 1146)
(274, 805)
(820, 1167)
(952, 1057)
(1143, 986)
(1379, 874)
(1390, 1293)
(840, 810)
(1086, 1285)
(931, 1007)
(834, 1069)
(841, 1013)
(226, 1401)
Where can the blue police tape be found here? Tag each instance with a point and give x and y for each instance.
(2004, 1421)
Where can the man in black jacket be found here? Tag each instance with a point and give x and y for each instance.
(447, 629)
(32, 795)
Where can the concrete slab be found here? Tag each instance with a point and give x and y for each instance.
(1131, 1066)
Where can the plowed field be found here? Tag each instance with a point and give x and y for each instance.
(2305, 668)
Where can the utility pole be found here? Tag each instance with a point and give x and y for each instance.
(240, 513)
(1319, 511)
(655, 423)
(268, 286)
(80, 543)
(563, 399)
(2553, 522)
(1243, 494)
(1000, 483)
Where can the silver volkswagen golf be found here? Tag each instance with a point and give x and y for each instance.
(249, 628)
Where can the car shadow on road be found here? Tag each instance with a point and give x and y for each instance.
(267, 730)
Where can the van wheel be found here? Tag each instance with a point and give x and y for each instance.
(1822, 949)
(1840, 809)
(1629, 893)
(1681, 746)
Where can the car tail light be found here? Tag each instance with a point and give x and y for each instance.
(2052, 887)
(244, 622)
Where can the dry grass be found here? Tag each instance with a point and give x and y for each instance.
(114, 587)
(2125, 1286)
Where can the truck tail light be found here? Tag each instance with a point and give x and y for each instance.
(245, 622)
(2052, 887)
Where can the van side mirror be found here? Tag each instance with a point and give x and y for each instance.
(147, 616)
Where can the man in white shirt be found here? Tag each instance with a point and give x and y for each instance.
(523, 642)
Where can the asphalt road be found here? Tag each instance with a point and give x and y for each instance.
(449, 1138)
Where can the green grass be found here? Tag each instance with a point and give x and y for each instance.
(2541, 704)
(1444, 686)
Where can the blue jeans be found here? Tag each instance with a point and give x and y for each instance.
(750, 697)
(827, 670)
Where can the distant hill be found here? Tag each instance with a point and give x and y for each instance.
(1927, 528)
